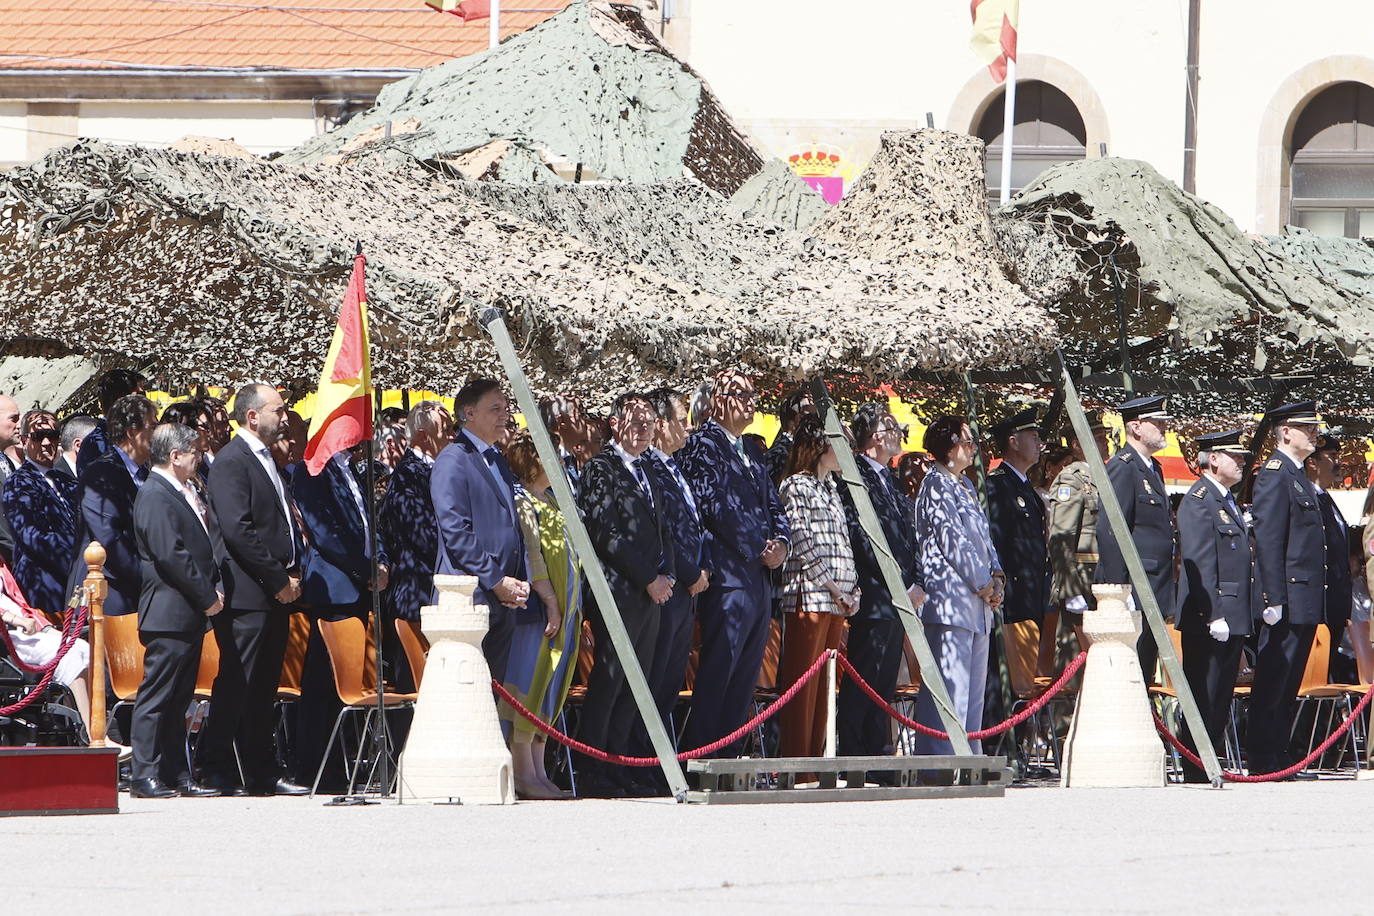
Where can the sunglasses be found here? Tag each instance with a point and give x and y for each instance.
(40, 435)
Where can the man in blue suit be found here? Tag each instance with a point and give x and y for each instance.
(746, 535)
(335, 585)
(473, 491)
(113, 385)
(40, 507)
(109, 486)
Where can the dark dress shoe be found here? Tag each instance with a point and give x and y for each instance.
(1301, 776)
(151, 788)
(229, 788)
(282, 786)
(191, 789)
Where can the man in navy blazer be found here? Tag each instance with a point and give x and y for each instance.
(109, 486)
(746, 535)
(876, 634)
(40, 507)
(473, 491)
(113, 385)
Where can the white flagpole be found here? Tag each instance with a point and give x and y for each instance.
(1008, 122)
(494, 24)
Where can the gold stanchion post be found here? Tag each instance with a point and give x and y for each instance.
(94, 589)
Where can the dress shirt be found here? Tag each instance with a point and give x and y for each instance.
(46, 474)
(264, 456)
(736, 443)
(636, 468)
(483, 449)
(186, 493)
(137, 472)
(341, 459)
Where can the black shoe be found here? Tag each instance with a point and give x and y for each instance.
(151, 788)
(282, 786)
(1301, 776)
(229, 788)
(189, 788)
(125, 777)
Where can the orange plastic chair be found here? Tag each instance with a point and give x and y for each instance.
(415, 645)
(293, 662)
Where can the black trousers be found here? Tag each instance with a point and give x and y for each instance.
(1147, 650)
(735, 624)
(1283, 650)
(609, 715)
(1210, 667)
(875, 651)
(158, 730)
(667, 672)
(251, 647)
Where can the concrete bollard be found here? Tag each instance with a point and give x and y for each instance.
(1112, 742)
(455, 750)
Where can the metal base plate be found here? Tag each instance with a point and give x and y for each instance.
(774, 779)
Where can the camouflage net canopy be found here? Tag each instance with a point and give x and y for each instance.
(591, 86)
(1200, 298)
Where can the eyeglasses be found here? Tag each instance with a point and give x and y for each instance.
(747, 396)
(895, 428)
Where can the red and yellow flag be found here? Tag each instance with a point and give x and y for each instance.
(994, 33)
(343, 400)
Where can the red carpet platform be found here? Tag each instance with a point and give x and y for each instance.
(59, 780)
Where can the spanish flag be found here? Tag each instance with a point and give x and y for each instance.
(994, 33)
(343, 400)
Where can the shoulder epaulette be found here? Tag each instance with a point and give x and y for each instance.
(1000, 469)
(1273, 464)
(1124, 455)
(1198, 492)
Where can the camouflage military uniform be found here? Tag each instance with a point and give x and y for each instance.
(1073, 538)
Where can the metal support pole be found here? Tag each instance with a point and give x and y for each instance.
(495, 325)
(931, 677)
(832, 735)
(1008, 127)
(1145, 596)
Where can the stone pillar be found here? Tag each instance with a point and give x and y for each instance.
(455, 749)
(1112, 742)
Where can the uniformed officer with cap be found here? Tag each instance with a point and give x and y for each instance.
(1322, 471)
(1073, 532)
(1016, 518)
(1138, 481)
(1215, 586)
(1290, 564)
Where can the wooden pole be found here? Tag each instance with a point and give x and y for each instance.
(94, 589)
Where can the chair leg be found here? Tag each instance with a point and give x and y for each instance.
(334, 733)
(363, 736)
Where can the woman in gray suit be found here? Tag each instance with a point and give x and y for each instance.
(963, 579)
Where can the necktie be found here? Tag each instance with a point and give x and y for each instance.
(141, 475)
(194, 500)
(739, 449)
(491, 455)
(687, 495)
(643, 480)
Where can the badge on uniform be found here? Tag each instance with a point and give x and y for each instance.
(1299, 487)
(1273, 464)
(1064, 492)
(1146, 484)
(1224, 516)
(1021, 502)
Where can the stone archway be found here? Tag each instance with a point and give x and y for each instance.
(980, 92)
(1273, 192)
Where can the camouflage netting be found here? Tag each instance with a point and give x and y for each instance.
(1349, 263)
(591, 85)
(775, 194)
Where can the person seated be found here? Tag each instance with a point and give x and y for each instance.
(36, 643)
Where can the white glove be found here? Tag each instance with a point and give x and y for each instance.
(1078, 604)
(1273, 614)
(1219, 630)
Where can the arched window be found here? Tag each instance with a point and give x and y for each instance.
(1333, 162)
(1048, 130)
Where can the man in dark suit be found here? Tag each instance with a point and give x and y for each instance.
(1215, 587)
(1321, 468)
(624, 516)
(746, 536)
(1137, 479)
(1290, 567)
(876, 634)
(9, 439)
(40, 505)
(109, 486)
(74, 432)
(793, 407)
(262, 580)
(677, 615)
(567, 419)
(407, 524)
(473, 491)
(337, 584)
(180, 551)
(113, 385)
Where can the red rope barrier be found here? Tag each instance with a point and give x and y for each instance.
(991, 731)
(1277, 775)
(71, 630)
(605, 757)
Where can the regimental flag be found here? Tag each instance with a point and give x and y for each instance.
(343, 400)
(467, 10)
(994, 33)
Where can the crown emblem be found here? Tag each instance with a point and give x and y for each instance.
(817, 161)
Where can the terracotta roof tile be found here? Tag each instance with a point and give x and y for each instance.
(286, 34)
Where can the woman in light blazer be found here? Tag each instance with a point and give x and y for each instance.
(963, 579)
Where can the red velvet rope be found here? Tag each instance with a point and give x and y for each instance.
(604, 757)
(1277, 775)
(990, 732)
(71, 630)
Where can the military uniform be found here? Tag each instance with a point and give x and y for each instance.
(1016, 520)
(1138, 483)
(1073, 539)
(1216, 604)
(1290, 540)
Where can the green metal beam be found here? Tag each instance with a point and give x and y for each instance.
(931, 678)
(495, 325)
(1145, 596)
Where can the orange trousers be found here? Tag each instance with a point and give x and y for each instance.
(802, 721)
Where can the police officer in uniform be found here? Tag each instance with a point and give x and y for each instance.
(1138, 481)
(1290, 543)
(1016, 520)
(1073, 532)
(1215, 598)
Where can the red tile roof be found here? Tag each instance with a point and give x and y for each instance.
(274, 34)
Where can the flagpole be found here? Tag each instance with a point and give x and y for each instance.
(380, 741)
(1008, 123)
(494, 24)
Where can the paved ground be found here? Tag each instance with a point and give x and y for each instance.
(1290, 848)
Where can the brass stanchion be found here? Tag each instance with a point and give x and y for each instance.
(95, 588)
